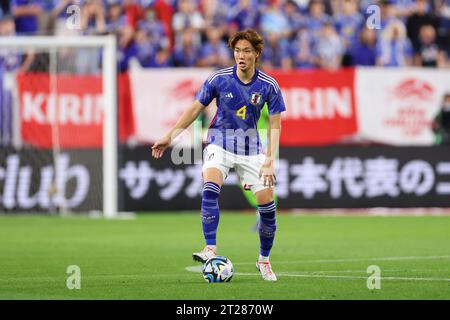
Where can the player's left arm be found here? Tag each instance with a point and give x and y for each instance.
(273, 136)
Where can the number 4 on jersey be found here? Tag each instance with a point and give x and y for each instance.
(242, 112)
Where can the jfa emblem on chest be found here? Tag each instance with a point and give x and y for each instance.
(256, 98)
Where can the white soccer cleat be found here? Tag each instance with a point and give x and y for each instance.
(266, 271)
(204, 255)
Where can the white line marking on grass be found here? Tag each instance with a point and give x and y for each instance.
(354, 260)
(312, 275)
(287, 274)
(194, 269)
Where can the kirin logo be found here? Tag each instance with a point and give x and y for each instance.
(185, 89)
(413, 89)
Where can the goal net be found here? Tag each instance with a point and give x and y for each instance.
(58, 124)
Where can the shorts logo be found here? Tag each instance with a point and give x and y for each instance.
(211, 156)
(256, 98)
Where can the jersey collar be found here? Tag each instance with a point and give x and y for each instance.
(255, 76)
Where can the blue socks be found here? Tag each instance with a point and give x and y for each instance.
(267, 227)
(210, 219)
(210, 212)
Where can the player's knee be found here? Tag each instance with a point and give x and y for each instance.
(213, 175)
(264, 196)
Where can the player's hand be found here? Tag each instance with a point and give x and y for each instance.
(159, 147)
(267, 174)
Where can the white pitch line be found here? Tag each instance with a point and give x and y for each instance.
(311, 275)
(300, 275)
(194, 268)
(354, 260)
(346, 277)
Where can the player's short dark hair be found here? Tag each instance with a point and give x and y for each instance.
(251, 36)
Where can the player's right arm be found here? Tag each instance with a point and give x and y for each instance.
(186, 119)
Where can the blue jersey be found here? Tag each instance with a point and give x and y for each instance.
(26, 24)
(239, 105)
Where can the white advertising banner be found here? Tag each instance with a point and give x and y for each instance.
(394, 106)
(397, 106)
(160, 96)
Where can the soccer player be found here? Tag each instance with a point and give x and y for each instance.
(233, 141)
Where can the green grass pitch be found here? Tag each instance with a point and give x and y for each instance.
(315, 257)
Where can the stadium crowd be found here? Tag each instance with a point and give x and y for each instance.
(298, 33)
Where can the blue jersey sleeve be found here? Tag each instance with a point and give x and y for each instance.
(207, 93)
(275, 101)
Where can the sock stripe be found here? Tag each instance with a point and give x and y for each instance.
(267, 210)
(210, 190)
(211, 186)
(267, 204)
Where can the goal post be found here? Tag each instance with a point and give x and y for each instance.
(109, 89)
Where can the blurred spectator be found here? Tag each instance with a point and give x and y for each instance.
(116, 23)
(10, 58)
(394, 48)
(303, 6)
(93, 22)
(187, 17)
(301, 49)
(419, 18)
(273, 20)
(387, 12)
(348, 24)
(45, 19)
(214, 53)
(404, 8)
(187, 53)
(364, 51)
(164, 14)
(276, 53)
(335, 7)
(294, 18)
(429, 53)
(26, 13)
(317, 17)
(441, 124)
(328, 48)
(93, 17)
(177, 32)
(154, 29)
(162, 59)
(59, 17)
(134, 12)
(145, 47)
(442, 9)
(115, 18)
(244, 15)
(214, 14)
(151, 43)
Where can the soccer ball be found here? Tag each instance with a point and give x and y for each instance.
(218, 269)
